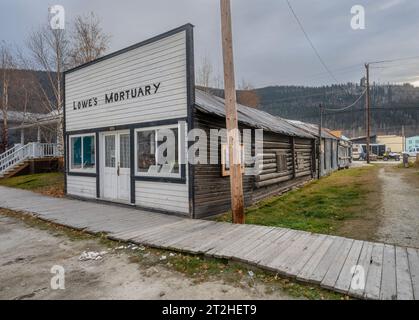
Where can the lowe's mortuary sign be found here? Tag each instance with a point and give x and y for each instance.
(112, 97)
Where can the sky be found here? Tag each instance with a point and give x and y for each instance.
(269, 45)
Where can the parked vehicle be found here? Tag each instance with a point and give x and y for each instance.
(391, 156)
(412, 152)
(359, 152)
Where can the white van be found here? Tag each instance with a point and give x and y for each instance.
(412, 152)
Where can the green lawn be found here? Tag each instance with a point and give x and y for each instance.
(321, 206)
(46, 183)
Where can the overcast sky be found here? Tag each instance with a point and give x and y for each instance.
(270, 48)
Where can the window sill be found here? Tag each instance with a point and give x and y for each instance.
(151, 178)
(82, 173)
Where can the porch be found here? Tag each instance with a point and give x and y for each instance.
(29, 156)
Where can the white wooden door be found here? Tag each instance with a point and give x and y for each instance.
(116, 166)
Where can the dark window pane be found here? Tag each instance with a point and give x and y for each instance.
(88, 152)
(76, 153)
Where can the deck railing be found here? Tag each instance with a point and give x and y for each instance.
(32, 150)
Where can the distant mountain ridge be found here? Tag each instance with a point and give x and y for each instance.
(392, 106)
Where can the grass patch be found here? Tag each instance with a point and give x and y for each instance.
(321, 206)
(46, 183)
(197, 268)
(412, 164)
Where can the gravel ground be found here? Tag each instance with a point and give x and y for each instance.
(27, 255)
(399, 221)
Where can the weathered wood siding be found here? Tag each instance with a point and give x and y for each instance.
(163, 61)
(212, 191)
(170, 197)
(81, 186)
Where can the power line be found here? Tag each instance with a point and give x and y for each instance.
(311, 42)
(393, 60)
(348, 107)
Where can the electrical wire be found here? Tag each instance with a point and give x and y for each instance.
(348, 107)
(311, 42)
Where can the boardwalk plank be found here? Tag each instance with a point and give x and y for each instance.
(388, 280)
(278, 247)
(364, 262)
(321, 269)
(294, 268)
(344, 280)
(404, 281)
(314, 261)
(333, 273)
(413, 257)
(373, 282)
(260, 248)
(294, 252)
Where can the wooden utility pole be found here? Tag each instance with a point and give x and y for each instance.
(319, 160)
(367, 105)
(233, 135)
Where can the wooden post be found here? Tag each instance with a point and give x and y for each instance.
(367, 104)
(319, 171)
(236, 180)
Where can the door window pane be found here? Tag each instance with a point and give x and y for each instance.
(89, 152)
(146, 150)
(110, 151)
(124, 153)
(76, 153)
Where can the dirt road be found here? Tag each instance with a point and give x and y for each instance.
(27, 255)
(399, 220)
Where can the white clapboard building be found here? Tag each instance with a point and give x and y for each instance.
(116, 105)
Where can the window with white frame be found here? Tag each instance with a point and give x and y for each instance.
(157, 151)
(82, 153)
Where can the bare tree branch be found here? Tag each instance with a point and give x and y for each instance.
(89, 40)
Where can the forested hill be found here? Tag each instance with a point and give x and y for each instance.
(392, 106)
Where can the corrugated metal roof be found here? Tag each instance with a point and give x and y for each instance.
(312, 129)
(252, 117)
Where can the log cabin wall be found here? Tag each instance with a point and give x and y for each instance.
(275, 177)
(211, 189)
(287, 162)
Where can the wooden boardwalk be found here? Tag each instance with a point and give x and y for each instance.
(391, 272)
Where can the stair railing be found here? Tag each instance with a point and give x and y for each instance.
(32, 150)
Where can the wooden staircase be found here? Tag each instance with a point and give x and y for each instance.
(14, 170)
(20, 157)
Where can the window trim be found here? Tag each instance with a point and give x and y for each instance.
(158, 175)
(70, 153)
(224, 171)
